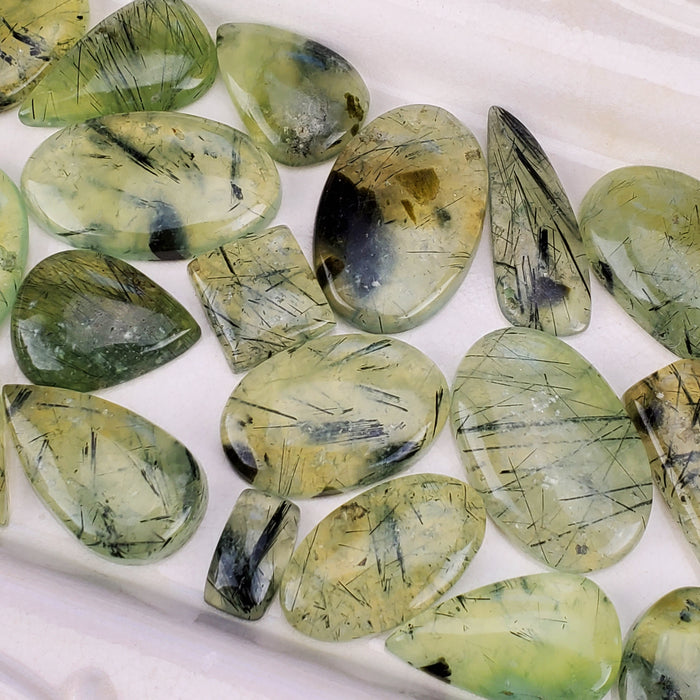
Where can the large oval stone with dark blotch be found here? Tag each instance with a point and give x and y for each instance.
(382, 557)
(641, 229)
(150, 185)
(550, 448)
(399, 218)
(336, 413)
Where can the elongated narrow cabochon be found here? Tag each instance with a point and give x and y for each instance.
(124, 487)
(382, 557)
(337, 413)
(541, 269)
(149, 54)
(14, 234)
(550, 448)
(150, 185)
(399, 218)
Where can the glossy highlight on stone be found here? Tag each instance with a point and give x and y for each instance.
(641, 229)
(14, 233)
(252, 554)
(336, 413)
(664, 408)
(148, 55)
(661, 659)
(541, 269)
(382, 557)
(33, 34)
(553, 636)
(125, 488)
(86, 321)
(150, 185)
(399, 218)
(549, 447)
(298, 99)
(260, 296)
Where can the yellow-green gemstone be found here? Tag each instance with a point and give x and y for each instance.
(260, 296)
(336, 413)
(150, 185)
(554, 636)
(664, 407)
(382, 557)
(149, 54)
(299, 100)
(125, 488)
(399, 218)
(13, 242)
(661, 660)
(549, 447)
(641, 229)
(33, 34)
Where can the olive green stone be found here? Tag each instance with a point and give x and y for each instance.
(550, 448)
(85, 321)
(150, 185)
(382, 557)
(547, 636)
(13, 242)
(541, 269)
(399, 218)
(641, 229)
(336, 413)
(298, 99)
(664, 407)
(260, 296)
(149, 54)
(124, 487)
(33, 34)
(661, 660)
(252, 554)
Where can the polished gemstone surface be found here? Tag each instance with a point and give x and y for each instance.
(541, 269)
(382, 557)
(33, 34)
(553, 636)
(149, 54)
(661, 660)
(641, 229)
(124, 487)
(13, 242)
(664, 407)
(339, 412)
(260, 296)
(399, 218)
(298, 99)
(550, 448)
(85, 321)
(252, 554)
(150, 185)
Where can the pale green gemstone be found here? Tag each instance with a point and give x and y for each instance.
(664, 407)
(382, 557)
(541, 269)
(260, 296)
(298, 99)
(553, 636)
(125, 488)
(150, 185)
(252, 553)
(33, 34)
(550, 448)
(4, 496)
(336, 413)
(149, 54)
(661, 660)
(399, 218)
(13, 242)
(641, 229)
